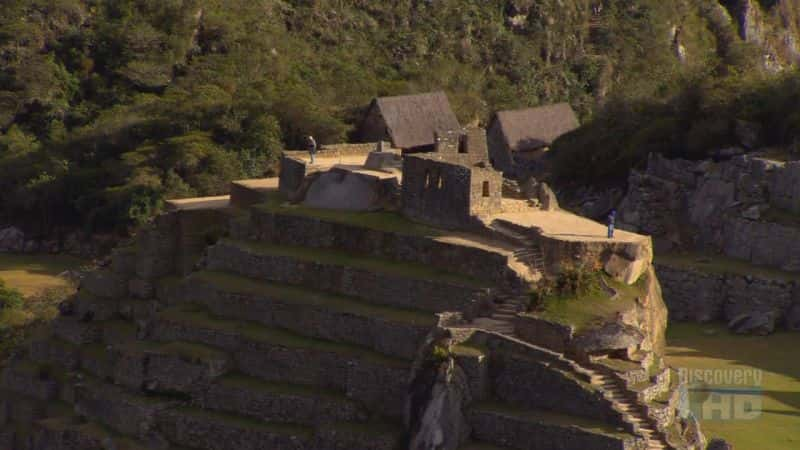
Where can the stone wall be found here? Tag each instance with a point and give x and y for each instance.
(693, 295)
(372, 286)
(746, 207)
(519, 433)
(315, 318)
(292, 174)
(293, 230)
(436, 191)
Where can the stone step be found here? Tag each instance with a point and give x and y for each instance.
(373, 379)
(75, 433)
(392, 331)
(374, 280)
(246, 193)
(75, 331)
(278, 402)
(218, 202)
(503, 425)
(16, 408)
(131, 414)
(205, 430)
(31, 380)
(169, 367)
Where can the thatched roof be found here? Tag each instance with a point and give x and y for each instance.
(412, 120)
(532, 128)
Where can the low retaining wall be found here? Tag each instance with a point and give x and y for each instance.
(544, 333)
(692, 295)
(367, 285)
(313, 232)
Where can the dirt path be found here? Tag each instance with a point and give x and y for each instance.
(567, 226)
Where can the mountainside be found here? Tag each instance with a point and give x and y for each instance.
(107, 107)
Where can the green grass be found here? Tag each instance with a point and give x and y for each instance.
(239, 381)
(697, 346)
(389, 222)
(333, 257)
(243, 285)
(719, 264)
(193, 315)
(592, 307)
(781, 216)
(245, 422)
(550, 418)
(31, 274)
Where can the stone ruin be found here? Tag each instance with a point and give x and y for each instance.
(253, 324)
(453, 184)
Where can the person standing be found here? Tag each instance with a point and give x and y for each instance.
(312, 147)
(612, 218)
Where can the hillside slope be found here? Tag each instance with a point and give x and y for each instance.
(108, 107)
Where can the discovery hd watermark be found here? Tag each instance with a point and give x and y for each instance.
(721, 394)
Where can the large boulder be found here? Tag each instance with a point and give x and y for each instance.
(793, 317)
(547, 198)
(760, 323)
(624, 269)
(348, 190)
(12, 240)
(719, 444)
(611, 336)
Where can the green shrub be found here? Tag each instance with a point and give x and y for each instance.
(9, 297)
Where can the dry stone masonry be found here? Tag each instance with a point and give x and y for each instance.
(264, 324)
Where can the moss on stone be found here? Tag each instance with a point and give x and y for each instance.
(243, 285)
(722, 265)
(245, 422)
(240, 381)
(340, 258)
(546, 417)
(593, 306)
(389, 222)
(194, 315)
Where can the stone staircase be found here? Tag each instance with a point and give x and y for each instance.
(614, 389)
(529, 251)
(627, 402)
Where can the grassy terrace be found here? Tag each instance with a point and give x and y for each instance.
(31, 274)
(382, 221)
(550, 418)
(195, 316)
(239, 381)
(721, 265)
(593, 306)
(713, 347)
(243, 285)
(245, 422)
(380, 265)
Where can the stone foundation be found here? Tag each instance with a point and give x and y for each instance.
(696, 296)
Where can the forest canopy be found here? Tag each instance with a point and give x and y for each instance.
(107, 107)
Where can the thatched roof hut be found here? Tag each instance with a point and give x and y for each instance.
(408, 121)
(527, 130)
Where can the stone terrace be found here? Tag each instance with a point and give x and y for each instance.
(262, 325)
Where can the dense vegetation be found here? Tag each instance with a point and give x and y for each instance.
(109, 106)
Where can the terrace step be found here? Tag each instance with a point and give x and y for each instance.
(392, 331)
(506, 426)
(30, 380)
(628, 404)
(119, 409)
(246, 193)
(71, 433)
(278, 402)
(205, 430)
(274, 355)
(369, 279)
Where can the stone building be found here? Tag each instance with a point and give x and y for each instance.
(409, 122)
(519, 136)
(451, 185)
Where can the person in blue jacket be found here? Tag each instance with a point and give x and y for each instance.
(612, 218)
